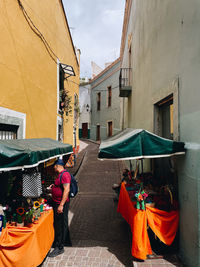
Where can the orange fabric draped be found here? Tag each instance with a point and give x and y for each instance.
(164, 224)
(27, 246)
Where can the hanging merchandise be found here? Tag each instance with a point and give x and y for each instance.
(140, 200)
(32, 184)
(71, 161)
(1, 218)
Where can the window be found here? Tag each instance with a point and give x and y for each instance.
(164, 111)
(8, 131)
(99, 101)
(98, 136)
(109, 96)
(110, 129)
(59, 132)
(61, 86)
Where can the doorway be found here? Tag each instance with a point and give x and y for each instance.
(110, 129)
(98, 136)
(85, 130)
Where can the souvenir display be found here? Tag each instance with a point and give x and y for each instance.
(140, 200)
(144, 189)
(24, 204)
(1, 218)
(32, 184)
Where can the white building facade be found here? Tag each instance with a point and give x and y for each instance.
(85, 109)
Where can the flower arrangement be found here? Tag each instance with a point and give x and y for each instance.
(140, 200)
(29, 217)
(20, 218)
(20, 211)
(36, 209)
(65, 103)
(36, 204)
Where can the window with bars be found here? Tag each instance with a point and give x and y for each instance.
(109, 96)
(8, 131)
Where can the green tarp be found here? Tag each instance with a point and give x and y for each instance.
(26, 153)
(138, 144)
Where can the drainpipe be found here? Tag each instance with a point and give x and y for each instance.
(123, 114)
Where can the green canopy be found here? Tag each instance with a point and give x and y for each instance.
(27, 153)
(138, 144)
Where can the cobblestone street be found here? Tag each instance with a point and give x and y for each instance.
(100, 236)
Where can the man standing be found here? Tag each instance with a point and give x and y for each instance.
(60, 196)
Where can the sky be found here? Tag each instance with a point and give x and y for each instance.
(96, 28)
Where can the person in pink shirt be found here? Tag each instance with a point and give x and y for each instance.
(60, 196)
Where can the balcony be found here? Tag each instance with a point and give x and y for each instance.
(125, 85)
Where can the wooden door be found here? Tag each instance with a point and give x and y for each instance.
(98, 133)
(110, 129)
(85, 130)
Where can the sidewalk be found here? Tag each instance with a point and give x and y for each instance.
(79, 158)
(100, 236)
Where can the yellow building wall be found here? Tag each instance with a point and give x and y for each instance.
(28, 74)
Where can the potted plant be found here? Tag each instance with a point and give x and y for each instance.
(20, 213)
(29, 217)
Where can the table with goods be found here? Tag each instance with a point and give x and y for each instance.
(26, 215)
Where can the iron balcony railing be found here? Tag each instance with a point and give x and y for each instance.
(125, 82)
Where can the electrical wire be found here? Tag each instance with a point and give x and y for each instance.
(46, 25)
(41, 36)
(46, 44)
(38, 33)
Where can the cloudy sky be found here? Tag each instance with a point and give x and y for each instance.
(96, 27)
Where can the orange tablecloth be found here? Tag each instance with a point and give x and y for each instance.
(163, 224)
(27, 246)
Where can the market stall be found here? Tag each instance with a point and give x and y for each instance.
(164, 224)
(27, 246)
(28, 153)
(28, 230)
(141, 204)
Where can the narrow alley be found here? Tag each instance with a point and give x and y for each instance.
(100, 236)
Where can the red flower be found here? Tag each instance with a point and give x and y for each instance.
(140, 197)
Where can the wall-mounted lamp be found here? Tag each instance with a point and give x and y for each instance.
(87, 107)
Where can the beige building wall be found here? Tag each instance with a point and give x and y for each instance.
(165, 53)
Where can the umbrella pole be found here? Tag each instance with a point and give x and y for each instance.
(142, 166)
(131, 167)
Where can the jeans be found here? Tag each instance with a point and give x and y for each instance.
(62, 236)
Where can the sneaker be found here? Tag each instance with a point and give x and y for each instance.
(56, 252)
(54, 245)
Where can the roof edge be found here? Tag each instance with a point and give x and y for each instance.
(125, 25)
(106, 69)
(61, 2)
